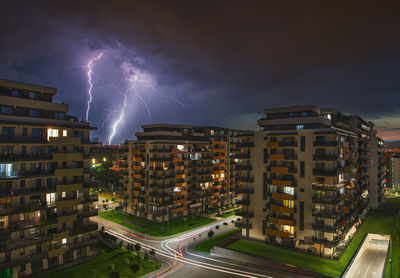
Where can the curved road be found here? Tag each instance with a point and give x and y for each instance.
(180, 260)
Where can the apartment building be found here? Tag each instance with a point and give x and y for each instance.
(44, 182)
(316, 174)
(179, 170)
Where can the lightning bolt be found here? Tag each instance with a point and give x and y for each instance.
(89, 75)
(114, 128)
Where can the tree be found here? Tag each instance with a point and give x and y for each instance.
(120, 244)
(152, 252)
(137, 247)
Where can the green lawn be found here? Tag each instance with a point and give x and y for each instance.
(206, 246)
(381, 222)
(233, 212)
(119, 258)
(154, 229)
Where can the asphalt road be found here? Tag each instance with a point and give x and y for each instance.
(369, 265)
(179, 259)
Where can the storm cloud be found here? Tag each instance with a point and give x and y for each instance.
(226, 60)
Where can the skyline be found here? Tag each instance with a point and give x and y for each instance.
(226, 63)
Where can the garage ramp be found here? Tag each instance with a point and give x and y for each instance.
(370, 258)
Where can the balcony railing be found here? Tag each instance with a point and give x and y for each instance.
(325, 157)
(326, 173)
(244, 179)
(327, 199)
(326, 242)
(287, 144)
(326, 143)
(246, 214)
(327, 213)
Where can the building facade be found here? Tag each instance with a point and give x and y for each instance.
(44, 182)
(179, 170)
(316, 174)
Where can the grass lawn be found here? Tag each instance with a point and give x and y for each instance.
(206, 246)
(380, 222)
(153, 229)
(119, 258)
(233, 212)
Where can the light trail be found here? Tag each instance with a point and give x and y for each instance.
(181, 259)
(89, 74)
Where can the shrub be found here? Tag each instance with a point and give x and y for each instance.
(210, 233)
(110, 267)
(93, 272)
(134, 268)
(137, 247)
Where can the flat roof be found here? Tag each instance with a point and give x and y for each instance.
(28, 87)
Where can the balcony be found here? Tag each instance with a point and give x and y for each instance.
(282, 220)
(245, 145)
(24, 174)
(282, 170)
(326, 143)
(243, 156)
(243, 202)
(161, 150)
(26, 157)
(325, 157)
(283, 182)
(281, 196)
(326, 242)
(244, 190)
(277, 233)
(23, 139)
(162, 159)
(327, 213)
(325, 187)
(176, 210)
(34, 206)
(326, 172)
(244, 167)
(291, 144)
(324, 228)
(281, 209)
(326, 199)
(244, 179)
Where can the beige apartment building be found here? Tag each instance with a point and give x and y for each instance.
(44, 182)
(180, 170)
(316, 174)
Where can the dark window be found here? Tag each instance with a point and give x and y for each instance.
(302, 143)
(23, 149)
(6, 110)
(265, 186)
(24, 131)
(22, 183)
(8, 131)
(22, 200)
(301, 189)
(34, 113)
(301, 216)
(15, 93)
(265, 155)
(302, 169)
(37, 132)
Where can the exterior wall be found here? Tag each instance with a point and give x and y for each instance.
(44, 198)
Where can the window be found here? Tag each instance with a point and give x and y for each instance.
(299, 127)
(288, 190)
(59, 116)
(6, 110)
(24, 131)
(37, 132)
(64, 194)
(302, 143)
(6, 170)
(64, 241)
(23, 167)
(34, 113)
(15, 93)
(51, 132)
(78, 133)
(65, 133)
(22, 183)
(23, 149)
(33, 95)
(51, 199)
(22, 200)
(7, 150)
(301, 216)
(302, 169)
(8, 131)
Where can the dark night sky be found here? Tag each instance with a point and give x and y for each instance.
(225, 60)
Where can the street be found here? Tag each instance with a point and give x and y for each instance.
(179, 259)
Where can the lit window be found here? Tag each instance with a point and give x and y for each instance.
(329, 116)
(6, 170)
(222, 175)
(180, 147)
(51, 132)
(65, 133)
(64, 241)
(299, 126)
